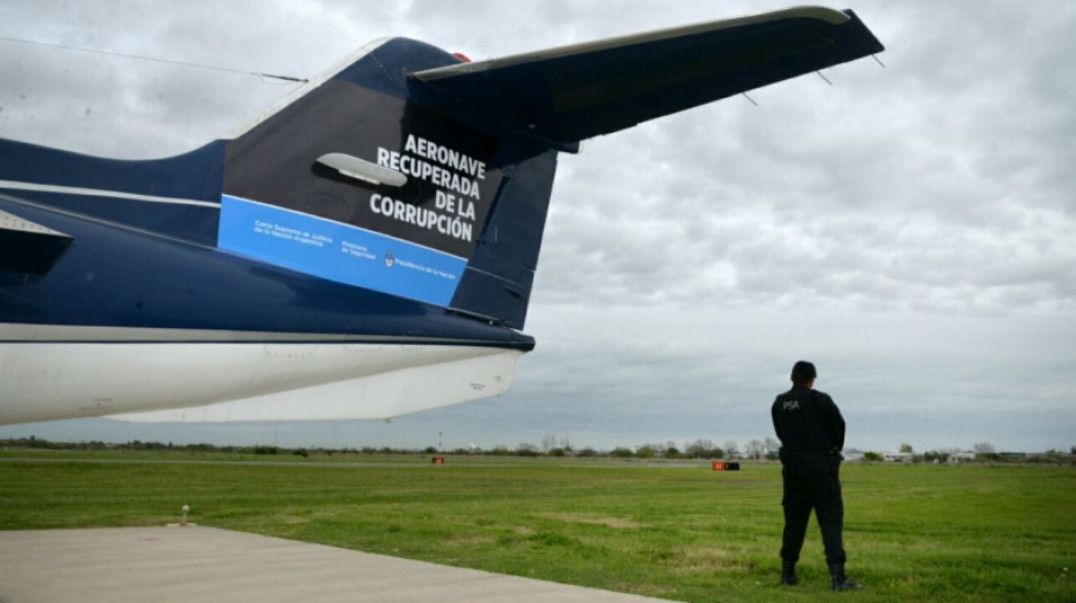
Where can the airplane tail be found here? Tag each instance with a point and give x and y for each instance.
(411, 172)
(362, 180)
(405, 174)
(414, 173)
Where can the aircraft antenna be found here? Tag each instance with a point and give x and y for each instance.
(286, 78)
(879, 61)
(824, 78)
(749, 98)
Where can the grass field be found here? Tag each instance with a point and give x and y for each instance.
(913, 532)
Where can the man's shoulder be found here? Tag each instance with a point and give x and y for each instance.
(823, 400)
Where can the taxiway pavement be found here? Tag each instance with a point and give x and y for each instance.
(209, 565)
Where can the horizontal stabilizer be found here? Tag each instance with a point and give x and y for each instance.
(28, 247)
(568, 94)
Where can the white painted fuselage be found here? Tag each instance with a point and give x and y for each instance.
(57, 372)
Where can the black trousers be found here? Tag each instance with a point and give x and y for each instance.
(812, 482)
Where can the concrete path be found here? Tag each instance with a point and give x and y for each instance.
(207, 565)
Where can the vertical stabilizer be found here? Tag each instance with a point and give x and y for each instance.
(362, 181)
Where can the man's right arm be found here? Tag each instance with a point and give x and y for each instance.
(776, 424)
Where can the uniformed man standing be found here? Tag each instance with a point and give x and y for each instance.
(811, 431)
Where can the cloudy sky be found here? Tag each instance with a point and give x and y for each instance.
(911, 229)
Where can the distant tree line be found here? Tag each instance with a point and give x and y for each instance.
(981, 452)
(701, 449)
(550, 447)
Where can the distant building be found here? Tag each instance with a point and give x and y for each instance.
(897, 457)
(852, 455)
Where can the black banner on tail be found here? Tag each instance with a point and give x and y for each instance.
(360, 187)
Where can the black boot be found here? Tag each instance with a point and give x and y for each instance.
(788, 573)
(840, 581)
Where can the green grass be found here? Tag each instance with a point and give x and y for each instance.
(924, 532)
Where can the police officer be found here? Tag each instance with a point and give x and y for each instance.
(811, 431)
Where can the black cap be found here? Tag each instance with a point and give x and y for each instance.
(803, 371)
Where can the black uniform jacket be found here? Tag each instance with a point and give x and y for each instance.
(807, 421)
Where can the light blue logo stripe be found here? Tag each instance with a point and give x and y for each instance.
(338, 251)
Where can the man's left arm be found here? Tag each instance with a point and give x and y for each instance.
(835, 422)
